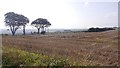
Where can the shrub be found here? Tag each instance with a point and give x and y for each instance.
(15, 57)
(43, 32)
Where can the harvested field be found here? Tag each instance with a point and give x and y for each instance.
(86, 48)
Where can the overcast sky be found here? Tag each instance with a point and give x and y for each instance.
(65, 14)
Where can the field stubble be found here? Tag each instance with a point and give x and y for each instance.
(87, 48)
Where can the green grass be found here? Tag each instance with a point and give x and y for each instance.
(16, 57)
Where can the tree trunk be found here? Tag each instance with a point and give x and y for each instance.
(24, 30)
(13, 33)
(12, 28)
(38, 30)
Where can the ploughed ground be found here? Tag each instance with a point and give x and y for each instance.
(86, 48)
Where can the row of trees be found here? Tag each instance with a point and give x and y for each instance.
(99, 29)
(15, 21)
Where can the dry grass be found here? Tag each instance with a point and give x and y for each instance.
(87, 48)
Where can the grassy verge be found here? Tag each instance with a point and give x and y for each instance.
(16, 57)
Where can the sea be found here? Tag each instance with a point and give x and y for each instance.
(29, 31)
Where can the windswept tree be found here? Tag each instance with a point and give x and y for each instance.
(41, 23)
(14, 21)
(23, 21)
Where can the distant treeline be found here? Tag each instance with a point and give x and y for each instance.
(99, 29)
